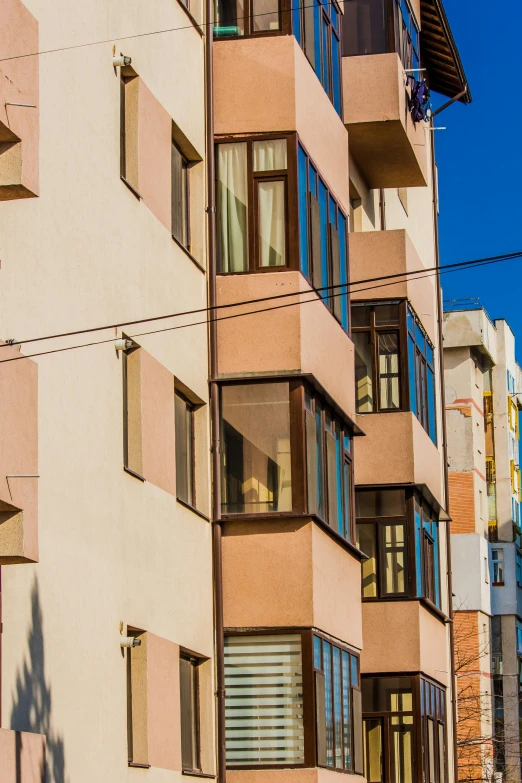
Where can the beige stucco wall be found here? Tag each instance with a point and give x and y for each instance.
(419, 639)
(86, 253)
(288, 573)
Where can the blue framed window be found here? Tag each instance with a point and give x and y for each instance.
(321, 24)
(421, 370)
(323, 239)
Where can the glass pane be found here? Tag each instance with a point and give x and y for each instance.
(338, 720)
(402, 754)
(265, 15)
(188, 695)
(326, 58)
(394, 559)
(229, 18)
(418, 547)
(327, 662)
(343, 270)
(347, 477)
(364, 27)
(296, 21)
(354, 660)
(431, 750)
(264, 700)
(315, 220)
(432, 418)
(373, 750)
(360, 315)
(179, 197)
(184, 450)
(232, 207)
(347, 736)
(256, 448)
(312, 468)
(309, 30)
(411, 375)
(366, 541)
(334, 467)
(387, 315)
(363, 371)
(324, 235)
(336, 299)
(389, 370)
(303, 209)
(387, 694)
(336, 70)
(271, 198)
(442, 754)
(319, 445)
(270, 155)
(380, 503)
(317, 653)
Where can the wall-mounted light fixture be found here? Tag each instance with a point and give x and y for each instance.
(123, 344)
(130, 641)
(119, 60)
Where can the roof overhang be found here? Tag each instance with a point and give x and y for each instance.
(440, 54)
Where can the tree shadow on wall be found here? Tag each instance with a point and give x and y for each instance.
(33, 701)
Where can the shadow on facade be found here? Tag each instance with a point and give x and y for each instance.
(32, 708)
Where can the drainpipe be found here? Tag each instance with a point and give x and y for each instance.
(217, 531)
(445, 450)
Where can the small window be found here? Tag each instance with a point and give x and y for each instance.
(184, 433)
(189, 699)
(180, 198)
(137, 740)
(497, 563)
(129, 87)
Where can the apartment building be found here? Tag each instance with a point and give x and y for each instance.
(107, 669)
(483, 384)
(333, 502)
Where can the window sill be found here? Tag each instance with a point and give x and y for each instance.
(195, 774)
(194, 510)
(133, 473)
(139, 766)
(497, 584)
(132, 189)
(188, 253)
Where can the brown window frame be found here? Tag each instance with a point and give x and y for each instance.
(309, 693)
(195, 662)
(298, 457)
(185, 219)
(289, 176)
(421, 715)
(412, 502)
(285, 23)
(401, 330)
(189, 408)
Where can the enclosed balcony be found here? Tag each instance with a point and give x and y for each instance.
(387, 44)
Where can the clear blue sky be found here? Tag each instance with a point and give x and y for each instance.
(480, 159)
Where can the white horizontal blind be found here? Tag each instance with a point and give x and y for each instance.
(264, 700)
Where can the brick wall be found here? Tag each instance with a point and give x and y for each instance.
(462, 502)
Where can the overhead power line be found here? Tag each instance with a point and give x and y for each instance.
(420, 274)
(120, 324)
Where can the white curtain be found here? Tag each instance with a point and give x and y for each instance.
(232, 207)
(270, 155)
(271, 198)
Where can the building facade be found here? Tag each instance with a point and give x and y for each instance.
(224, 538)
(483, 384)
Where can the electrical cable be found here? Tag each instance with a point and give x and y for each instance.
(455, 266)
(422, 274)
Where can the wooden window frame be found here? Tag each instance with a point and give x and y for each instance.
(374, 331)
(298, 461)
(285, 23)
(185, 166)
(408, 519)
(420, 713)
(195, 661)
(309, 695)
(289, 175)
(190, 407)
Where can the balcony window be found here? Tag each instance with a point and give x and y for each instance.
(263, 428)
(404, 729)
(394, 362)
(316, 27)
(292, 700)
(322, 238)
(380, 26)
(497, 567)
(276, 212)
(399, 534)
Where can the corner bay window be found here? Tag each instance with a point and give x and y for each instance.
(316, 27)
(394, 362)
(404, 730)
(272, 433)
(380, 26)
(292, 699)
(399, 534)
(274, 211)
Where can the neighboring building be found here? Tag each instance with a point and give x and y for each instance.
(483, 397)
(104, 453)
(225, 546)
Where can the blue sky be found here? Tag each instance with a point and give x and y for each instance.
(480, 160)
